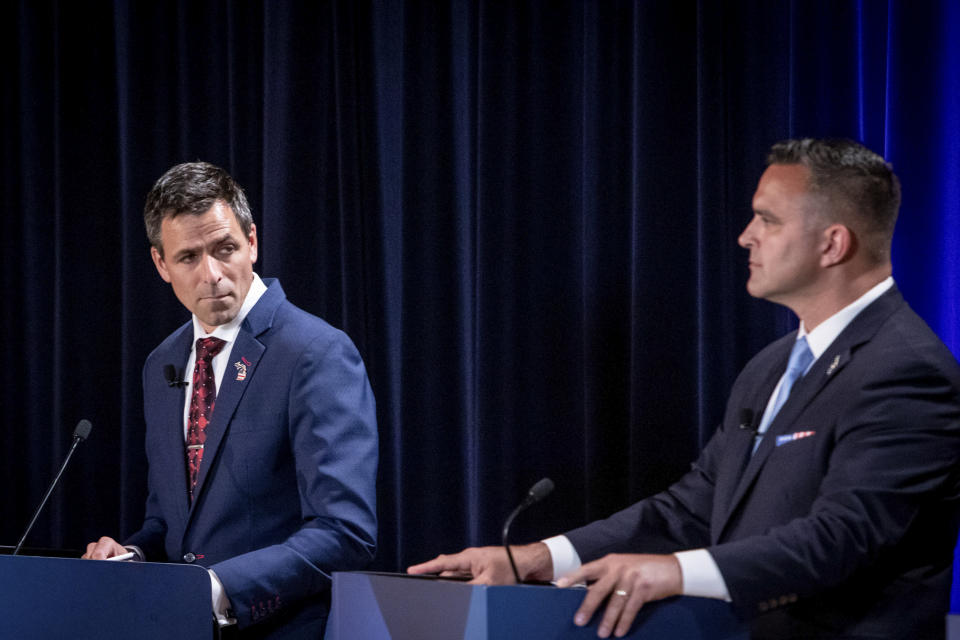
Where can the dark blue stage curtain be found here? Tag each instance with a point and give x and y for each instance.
(524, 213)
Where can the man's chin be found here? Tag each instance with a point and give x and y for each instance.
(217, 317)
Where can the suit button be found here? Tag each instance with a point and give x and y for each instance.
(189, 557)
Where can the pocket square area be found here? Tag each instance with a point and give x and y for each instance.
(790, 437)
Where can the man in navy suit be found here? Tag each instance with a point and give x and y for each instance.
(263, 463)
(826, 505)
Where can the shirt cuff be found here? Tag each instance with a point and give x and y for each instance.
(137, 552)
(701, 575)
(221, 604)
(564, 557)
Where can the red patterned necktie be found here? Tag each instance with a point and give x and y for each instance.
(201, 405)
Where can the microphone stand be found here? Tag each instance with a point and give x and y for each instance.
(537, 492)
(79, 435)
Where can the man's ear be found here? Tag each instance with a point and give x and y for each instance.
(839, 245)
(160, 264)
(252, 241)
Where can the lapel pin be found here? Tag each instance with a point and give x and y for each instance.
(834, 364)
(241, 369)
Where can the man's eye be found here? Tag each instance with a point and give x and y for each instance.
(187, 259)
(227, 249)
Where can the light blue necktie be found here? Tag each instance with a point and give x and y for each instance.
(800, 359)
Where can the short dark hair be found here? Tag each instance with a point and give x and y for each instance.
(860, 186)
(193, 187)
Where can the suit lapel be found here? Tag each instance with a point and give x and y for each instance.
(171, 409)
(246, 352)
(802, 394)
(825, 369)
(744, 466)
(764, 391)
(228, 397)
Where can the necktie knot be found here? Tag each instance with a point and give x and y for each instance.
(208, 348)
(800, 359)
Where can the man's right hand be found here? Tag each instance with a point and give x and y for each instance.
(490, 565)
(104, 548)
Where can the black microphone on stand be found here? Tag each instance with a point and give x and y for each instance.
(79, 435)
(537, 492)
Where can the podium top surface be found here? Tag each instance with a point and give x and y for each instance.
(383, 606)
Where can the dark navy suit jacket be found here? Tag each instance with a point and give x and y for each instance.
(843, 523)
(286, 490)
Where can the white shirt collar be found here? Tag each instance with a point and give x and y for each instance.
(228, 332)
(827, 331)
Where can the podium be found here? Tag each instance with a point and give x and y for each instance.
(379, 606)
(43, 598)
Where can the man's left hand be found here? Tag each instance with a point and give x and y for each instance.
(629, 580)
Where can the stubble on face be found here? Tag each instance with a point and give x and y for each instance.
(783, 235)
(209, 263)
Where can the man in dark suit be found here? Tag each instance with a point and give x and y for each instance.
(263, 464)
(826, 505)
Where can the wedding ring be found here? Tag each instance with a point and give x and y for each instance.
(620, 592)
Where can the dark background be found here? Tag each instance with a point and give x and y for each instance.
(524, 214)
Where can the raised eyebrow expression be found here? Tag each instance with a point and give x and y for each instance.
(225, 242)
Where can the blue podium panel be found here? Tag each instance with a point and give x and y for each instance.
(376, 606)
(44, 598)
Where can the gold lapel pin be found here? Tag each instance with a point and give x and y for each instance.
(833, 365)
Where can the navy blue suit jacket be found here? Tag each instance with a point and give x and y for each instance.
(286, 490)
(844, 521)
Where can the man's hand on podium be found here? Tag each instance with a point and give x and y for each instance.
(490, 565)
(626, 581)
(104, 548)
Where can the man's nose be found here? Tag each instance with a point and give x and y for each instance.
(746, 237)
(211, 270)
